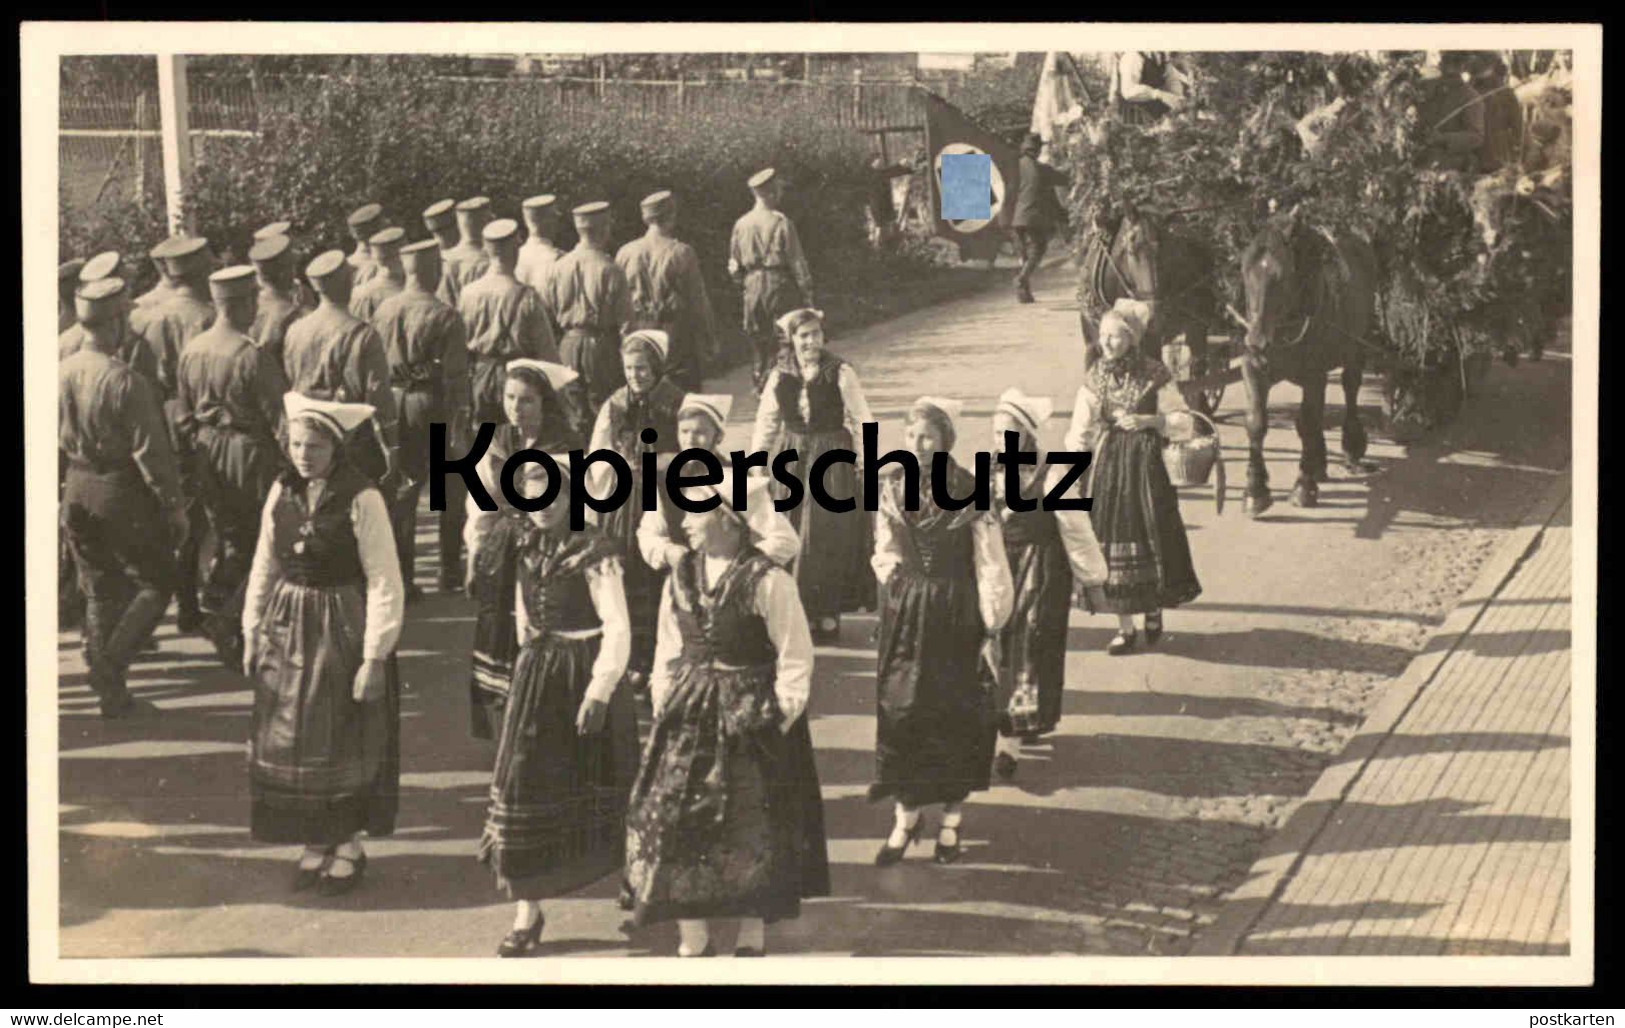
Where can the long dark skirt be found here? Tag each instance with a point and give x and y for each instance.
(495, 641)
(726, 817)
(1136, 517)
(558, 798)
(832, 570)
(934, 742)
(642, 583)
(321, 765)
(1033, 643)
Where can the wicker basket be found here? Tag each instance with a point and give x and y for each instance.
(1191, 463)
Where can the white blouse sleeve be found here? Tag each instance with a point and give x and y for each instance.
(769, 423)
(477, 523)
(995, 589)
(615, 649)
(1178, 425)
(668, 643)
(855, 404)
(655, 544)
(1078, 538)
(386, 596)
(888, 549)
(601, 440)
(778, 603)
(775, 536)
(1080, 434)
(262, 573)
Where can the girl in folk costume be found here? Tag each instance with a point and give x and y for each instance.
(726, 819)
(568, 749)
(1047, 550)
(321, 615)
(1128, 407)
(812, 402)
(701, 421)
(538, 418)
(648, 401)
(944, 588)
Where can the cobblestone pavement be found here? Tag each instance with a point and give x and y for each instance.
(1119, 834)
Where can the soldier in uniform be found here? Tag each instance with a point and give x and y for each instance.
(668, 292)
(278, 305)
(389, 278)
(765, 258)
(163, 329)
(230, 402)
(121, 506)
(302, 293)
(1037, 212)
(588, 298)
(538, 254)
(70, 601)
(103, 265)
(425, 343)
(329, 354)
(364, 221)
(67, 283)
(505, 320)
(466, 261)
(440, 218)
(162, 290)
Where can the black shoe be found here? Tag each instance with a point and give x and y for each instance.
(1004, 765)
(945, 853)
(521, 941)
(626, 901)
(188, 622)
(413, 595)
(1122, 643)
(1153, 628)
(889, 856)
(336, 886)
(750, 951)
(130, 708)
(308, 877)
(1023, 295)
(451, 582)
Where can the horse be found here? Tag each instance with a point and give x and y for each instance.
(1311, 302)
(1135, 257)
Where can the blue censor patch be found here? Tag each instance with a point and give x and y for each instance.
(967, 186)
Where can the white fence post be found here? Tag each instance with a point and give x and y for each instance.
(176, 137)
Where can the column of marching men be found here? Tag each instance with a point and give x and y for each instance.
(266, 426)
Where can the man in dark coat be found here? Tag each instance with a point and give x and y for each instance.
(1037, 212)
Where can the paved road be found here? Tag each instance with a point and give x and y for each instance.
(1118, 835)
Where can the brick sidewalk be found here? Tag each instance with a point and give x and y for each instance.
(1448, 832)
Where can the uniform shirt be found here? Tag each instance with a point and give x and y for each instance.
(163, 332)
(329, 352)
(277, 311)
(226, 381)
(459, 266)
(663, 280)
(68, 341)
(536, 259)
(1036, 206)
(157, 294)
(769, 433)
(615, 647)
(424, 341)
(362, 266)
(386, 596)
(765, 238)
(109, 418)
(364, 301)
(778, 603)
(586, 289)
(505, 319)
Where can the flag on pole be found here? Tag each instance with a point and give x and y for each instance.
(1059, 101)
(949, 132)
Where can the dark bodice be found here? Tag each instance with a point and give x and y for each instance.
(1028, 528)
(553, 578)
(826, 411)
(630, 413)
(721, 626)
(1129, 389)
(318, 547)
(938, 542)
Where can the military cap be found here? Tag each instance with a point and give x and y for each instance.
(502, 228)
(474, 203)
(590, 212)
(68, 271)
(441, 212)
(269, 249)
(365, 215)
(545, 202)
(761, 178)
(275, 228)
(423, 251)
(179, 247)
(96, 301)
(326, 264)
(103, 265)
(659, 203)
(237, 280)
(385, 238)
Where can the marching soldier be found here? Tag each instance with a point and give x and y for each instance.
(668, 292)
(440, 218)
(103, 265)
(587, 296)
(364, 221)
(505, 320)
(765, 258)
(466, 261)
(121, 505)
(389, 279)
(539, 253)
(426, 345)
(230, 402)
(67, 283)
(278, 305)
(329, 354)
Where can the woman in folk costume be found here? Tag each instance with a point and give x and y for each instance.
(538, 418)
(1047, 551)
(568, 749)
(812, 402)
(944, 590)
(726, 819)
(701, 421)
(648, 401)
(1128, 408)
(321, 616)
